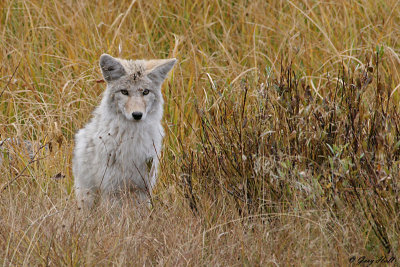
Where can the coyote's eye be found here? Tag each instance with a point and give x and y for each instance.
(124, 92)
(146, 91)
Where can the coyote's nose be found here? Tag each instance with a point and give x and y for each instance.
(137, 115)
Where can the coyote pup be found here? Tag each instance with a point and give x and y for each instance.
(118, 150)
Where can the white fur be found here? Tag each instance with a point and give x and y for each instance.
(112, 152)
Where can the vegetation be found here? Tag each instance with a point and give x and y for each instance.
(282, 123)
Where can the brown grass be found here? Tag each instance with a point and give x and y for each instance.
(282, 121)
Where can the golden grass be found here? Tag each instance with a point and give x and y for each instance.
(282, 124)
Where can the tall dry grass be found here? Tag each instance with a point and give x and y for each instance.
(282, 121)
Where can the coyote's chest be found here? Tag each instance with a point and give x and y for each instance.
(128, 154)
(130, 149)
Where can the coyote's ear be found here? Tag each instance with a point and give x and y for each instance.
(111, 68)
(157, 70)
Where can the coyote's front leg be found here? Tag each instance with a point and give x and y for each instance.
(86, 197)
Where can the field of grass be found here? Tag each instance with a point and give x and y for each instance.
(282, 127)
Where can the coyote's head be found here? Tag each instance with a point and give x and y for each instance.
(134, 86)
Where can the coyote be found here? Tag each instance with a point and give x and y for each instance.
(118, 150)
